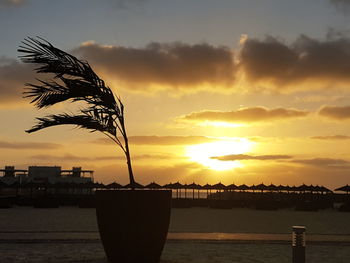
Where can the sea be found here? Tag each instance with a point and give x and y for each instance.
(196, 235)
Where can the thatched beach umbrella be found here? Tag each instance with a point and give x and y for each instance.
(232, 187)
(294, 188)
(207, 187)
(253, 188)
(272, 187)
(261, 187)
(153, 185)
(243, 187)
(194, 186)
(322, 189)
(219, 186)
(114, 185)
(345, 188)
(185, 187)
(303, 188)
(134, 185)
(281, 188)
(173, 186)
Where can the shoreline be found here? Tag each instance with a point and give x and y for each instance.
(239, 238)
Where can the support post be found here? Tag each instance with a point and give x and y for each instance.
(298, 244)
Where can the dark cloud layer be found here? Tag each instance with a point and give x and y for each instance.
(245, 115)
(244, 157)
(13, 76)
(342, 6)
(163, 140)
(4, 3)
(319, 162)
(28, 145)
(332, 137)
(335, 112)
(306, 59)
(125, 4)
(325, 162)
(173, 64)
(268, 63)
(72, 157)
(340, 1)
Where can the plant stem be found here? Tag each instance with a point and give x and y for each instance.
(127, 154)
(128, 161)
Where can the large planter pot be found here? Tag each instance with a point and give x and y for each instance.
(133, 224)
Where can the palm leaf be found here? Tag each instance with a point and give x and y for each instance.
(73, 80)
(77, 80)
(84, 121)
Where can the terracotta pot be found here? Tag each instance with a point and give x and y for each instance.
(133, 224)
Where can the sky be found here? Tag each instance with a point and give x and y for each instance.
(227, 91)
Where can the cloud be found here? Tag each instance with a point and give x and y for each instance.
(4, 3)
(275, 64)
(340, 1)
(176, 65)
(324, 162)
(335, 112)
(332, 137)
(267, 64)
(72, 157)
(125, 4)
(162, 140)
(28, 145)
(342, 6)
(263, 64)
(245, 115)
(13, 76)
(244, 157)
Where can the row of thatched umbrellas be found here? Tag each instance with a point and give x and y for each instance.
(178, 186)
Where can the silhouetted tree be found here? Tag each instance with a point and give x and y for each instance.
(74, 80)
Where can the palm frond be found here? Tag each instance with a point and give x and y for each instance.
(84, 121)
(74, 80)
(77, 79)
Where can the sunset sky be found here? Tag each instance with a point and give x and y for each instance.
(234, 91)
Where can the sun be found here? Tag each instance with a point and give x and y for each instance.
(202, 153)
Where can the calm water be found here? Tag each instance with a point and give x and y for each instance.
(200, 235)
(202, 220)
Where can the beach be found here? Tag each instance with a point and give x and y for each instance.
(70, 234)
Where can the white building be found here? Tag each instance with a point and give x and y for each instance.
(50, 174)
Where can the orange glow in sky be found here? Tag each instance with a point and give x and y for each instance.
(202, 153)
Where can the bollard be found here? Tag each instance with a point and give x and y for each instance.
(298, 244)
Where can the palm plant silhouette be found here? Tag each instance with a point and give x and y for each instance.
(74, 80)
